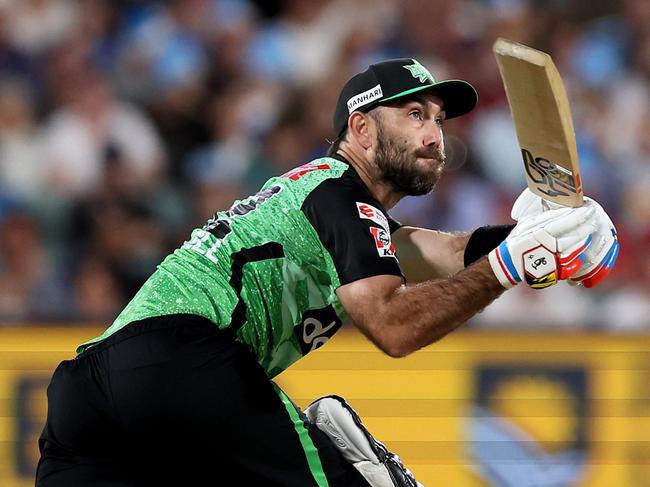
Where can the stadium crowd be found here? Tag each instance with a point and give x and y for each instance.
(124, 124)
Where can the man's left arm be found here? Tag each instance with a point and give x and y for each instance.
(431, 254)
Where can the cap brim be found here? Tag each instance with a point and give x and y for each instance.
(458, 96)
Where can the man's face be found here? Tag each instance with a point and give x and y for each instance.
(410, 151)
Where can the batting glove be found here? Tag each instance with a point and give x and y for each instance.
(545, 248)
(599, 258)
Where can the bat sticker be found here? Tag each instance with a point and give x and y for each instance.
(554, 179)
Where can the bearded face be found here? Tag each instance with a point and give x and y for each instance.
(410, 171)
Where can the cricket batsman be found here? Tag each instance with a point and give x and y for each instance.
(178, 391)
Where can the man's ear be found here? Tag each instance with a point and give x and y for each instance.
(360, 128)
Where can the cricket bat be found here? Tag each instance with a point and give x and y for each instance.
(542, 117)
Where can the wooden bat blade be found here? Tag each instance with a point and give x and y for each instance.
(542, 118)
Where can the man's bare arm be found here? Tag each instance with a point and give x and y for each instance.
(401, 319)
(429, 254)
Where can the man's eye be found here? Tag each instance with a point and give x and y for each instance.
(416, 115)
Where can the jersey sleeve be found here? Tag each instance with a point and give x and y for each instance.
(355, 232)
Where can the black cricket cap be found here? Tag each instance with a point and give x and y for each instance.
(395, 78)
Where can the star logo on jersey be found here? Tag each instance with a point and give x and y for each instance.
(420, 72)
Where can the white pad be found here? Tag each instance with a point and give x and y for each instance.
(334, 417)
(329, 415)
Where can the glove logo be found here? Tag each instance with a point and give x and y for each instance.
(538, 262)
(539, 267)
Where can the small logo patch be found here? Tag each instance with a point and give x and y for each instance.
(316, 328)
(385, 247)
(369, 212)
(420, 72)
(364, 98)
(540, 268)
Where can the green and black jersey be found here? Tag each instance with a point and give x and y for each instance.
(267, 269)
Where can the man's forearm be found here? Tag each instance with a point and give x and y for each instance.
(429, 254)
(420, 314)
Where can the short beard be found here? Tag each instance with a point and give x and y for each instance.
(397, 166)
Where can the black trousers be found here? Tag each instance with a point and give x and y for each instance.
(174, 401)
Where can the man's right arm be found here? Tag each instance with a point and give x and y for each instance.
(401, 318)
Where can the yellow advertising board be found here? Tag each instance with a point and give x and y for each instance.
(478, 409)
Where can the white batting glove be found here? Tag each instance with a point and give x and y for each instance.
(545, 248)
(528, 204)
(599, 258)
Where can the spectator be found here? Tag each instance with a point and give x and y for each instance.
(97, 296)
(76, 135)
(21, 171)
(302, 45)
(117, 225)
(36, 25)
(30, 286)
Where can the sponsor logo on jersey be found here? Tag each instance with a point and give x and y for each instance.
(300, 171)
(316, 328)
(369, 212)
(364, 98)
(385, 247)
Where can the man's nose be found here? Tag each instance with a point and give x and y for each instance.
(432, 134)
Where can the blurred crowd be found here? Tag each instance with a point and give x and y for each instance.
(124, 124)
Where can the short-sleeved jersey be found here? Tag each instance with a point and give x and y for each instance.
(267, 269)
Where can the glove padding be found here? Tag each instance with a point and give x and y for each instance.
(544, 248)
(381, 468)
(599, 258)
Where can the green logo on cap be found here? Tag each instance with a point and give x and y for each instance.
(419, 71)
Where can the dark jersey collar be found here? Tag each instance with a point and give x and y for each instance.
(339, 157)
(355, 176)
